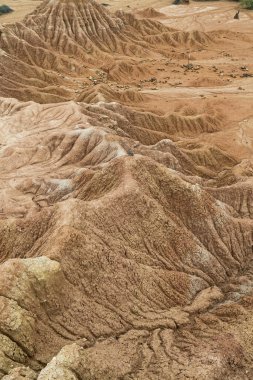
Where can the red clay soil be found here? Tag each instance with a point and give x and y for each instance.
(126, 197)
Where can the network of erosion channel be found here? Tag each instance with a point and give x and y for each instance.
(126, 197)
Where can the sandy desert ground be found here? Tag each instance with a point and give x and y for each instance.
(126, 198)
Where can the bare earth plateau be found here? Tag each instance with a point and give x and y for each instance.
(126, 191)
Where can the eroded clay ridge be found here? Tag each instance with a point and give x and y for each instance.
(51, 55)
(125, 241)
(120, 265)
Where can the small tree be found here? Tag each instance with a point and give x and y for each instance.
(247, 4)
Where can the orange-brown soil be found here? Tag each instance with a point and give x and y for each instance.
(126, 197)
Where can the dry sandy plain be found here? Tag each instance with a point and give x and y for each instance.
(126, 198)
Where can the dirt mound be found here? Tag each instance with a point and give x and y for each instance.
(103, 93)
(150, 13)
(181, 39)
(173, 124)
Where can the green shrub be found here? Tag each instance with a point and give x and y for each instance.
(247, 4)
(5, 9)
